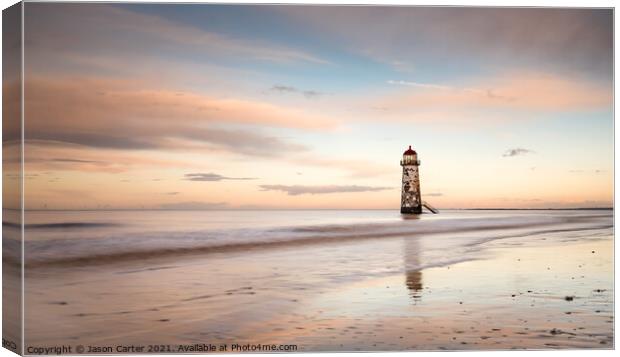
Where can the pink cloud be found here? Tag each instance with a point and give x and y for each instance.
(49, 156)
(519, 91)
(121, 115)
(107, 102)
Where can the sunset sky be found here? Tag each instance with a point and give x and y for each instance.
(224, 106)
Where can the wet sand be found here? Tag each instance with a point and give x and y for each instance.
(525, 298)
(539, 293)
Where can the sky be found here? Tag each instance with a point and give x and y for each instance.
(173, 106)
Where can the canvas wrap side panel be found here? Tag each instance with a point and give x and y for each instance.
(12, 174)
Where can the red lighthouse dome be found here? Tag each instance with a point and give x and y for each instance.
(410, 151)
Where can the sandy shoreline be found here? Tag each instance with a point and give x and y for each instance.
(338, 297)
(513, 301)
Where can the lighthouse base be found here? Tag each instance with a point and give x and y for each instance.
(411, 210)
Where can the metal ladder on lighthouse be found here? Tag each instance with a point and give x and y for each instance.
(429, 207)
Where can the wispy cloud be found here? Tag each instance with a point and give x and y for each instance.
(290, 89)
(78, 161)
(295, 190)
(127, 103)
(525, 91)
(567, 40)
(192, 205)
(122, 116)
(516, 152)
(595, 171)
(355, 167)
(311, 93)
(44, 155)
(488, 93)
(213, 177)
(419, 85)
(433, 194)
(134, 37)
(283, 89)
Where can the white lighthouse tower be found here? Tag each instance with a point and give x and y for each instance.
(411, 200)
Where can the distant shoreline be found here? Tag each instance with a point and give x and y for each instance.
(535, 209)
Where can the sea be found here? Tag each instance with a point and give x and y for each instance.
(84, 237)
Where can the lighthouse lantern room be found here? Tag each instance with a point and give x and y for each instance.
(411, 201)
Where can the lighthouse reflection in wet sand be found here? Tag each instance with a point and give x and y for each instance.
(411, 201)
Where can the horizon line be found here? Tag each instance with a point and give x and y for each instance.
(302, 209)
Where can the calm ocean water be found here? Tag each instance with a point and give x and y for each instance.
(79, 237)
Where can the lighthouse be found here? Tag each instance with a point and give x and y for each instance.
(411, 200)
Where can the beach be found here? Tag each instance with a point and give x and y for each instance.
(321, 280)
